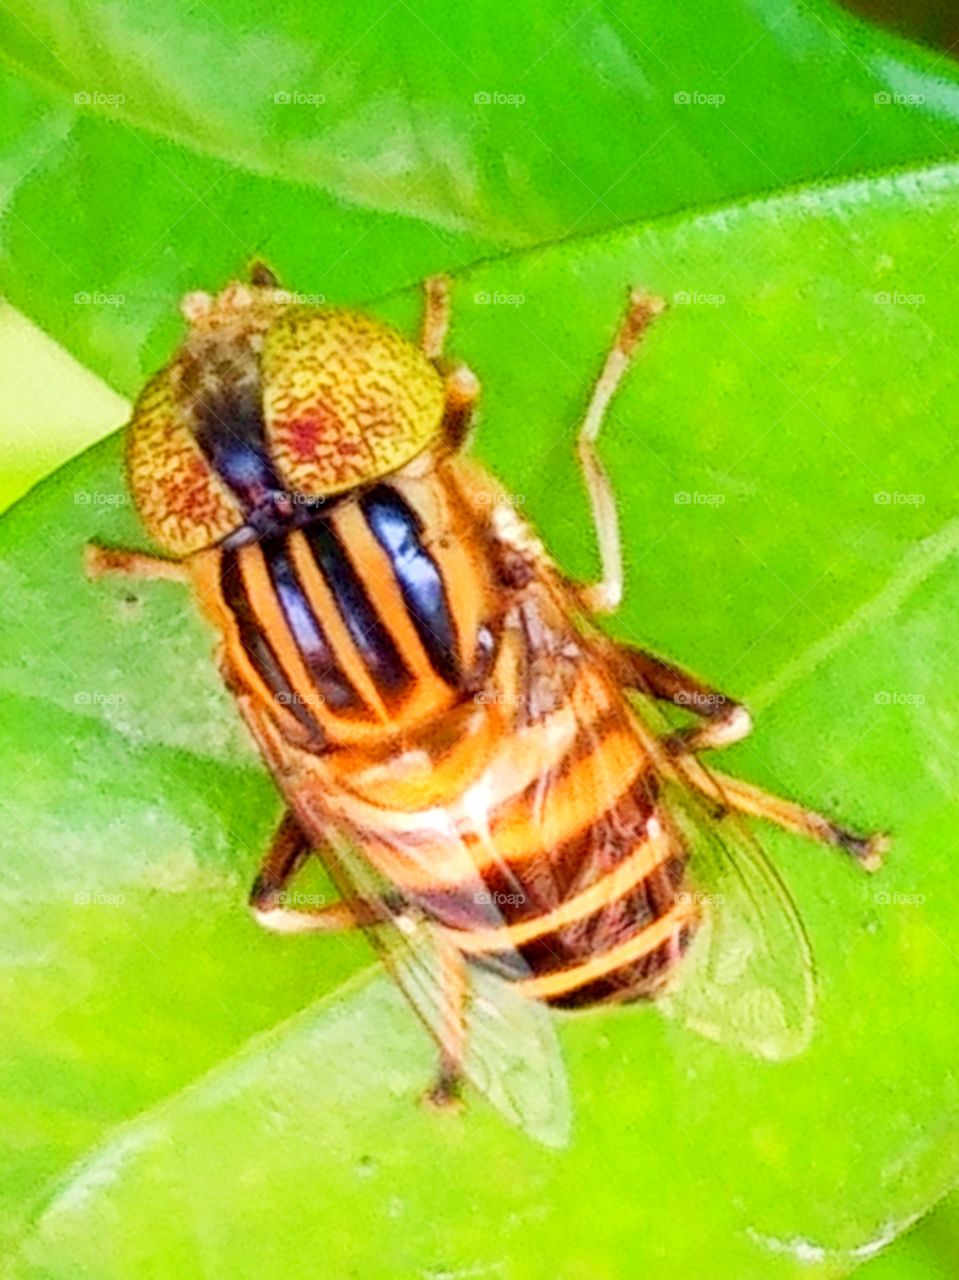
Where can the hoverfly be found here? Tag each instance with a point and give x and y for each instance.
(474, 762)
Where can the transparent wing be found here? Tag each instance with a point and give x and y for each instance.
(511, 1052)
(748, 978)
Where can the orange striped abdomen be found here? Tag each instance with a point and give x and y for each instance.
(597, 912)
(545, 851)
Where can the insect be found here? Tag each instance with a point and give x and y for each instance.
(478, 766)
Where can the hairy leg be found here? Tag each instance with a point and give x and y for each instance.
(605, 595)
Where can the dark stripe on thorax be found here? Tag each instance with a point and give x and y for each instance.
(256, 645)
(397, 528)
(315, 649)
(367, 629)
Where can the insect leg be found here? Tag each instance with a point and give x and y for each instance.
(288, 850)
(605, 596)
(452, 1031)
(743, 797)
(436, 315)
(462, 385)
(462, 392)
(726, 720)
(101, 562)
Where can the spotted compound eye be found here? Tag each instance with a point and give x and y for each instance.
(183, 503)
(345, 399)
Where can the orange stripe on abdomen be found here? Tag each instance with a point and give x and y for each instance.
(630, 873)
(483, 742)
(473, 835)
(551, 810)
(644, 942)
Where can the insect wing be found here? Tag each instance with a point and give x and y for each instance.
(512, 1053)
(748, 978)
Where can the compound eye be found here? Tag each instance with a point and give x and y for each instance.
(345, 399)
(183, 503)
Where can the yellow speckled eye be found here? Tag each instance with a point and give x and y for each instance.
(183, 503)
(345, 399)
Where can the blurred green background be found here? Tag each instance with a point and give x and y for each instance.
(52, 407)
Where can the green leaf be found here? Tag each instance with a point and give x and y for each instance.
(148, 154)
(52, 406)
(184, 1096)
(927, 1252)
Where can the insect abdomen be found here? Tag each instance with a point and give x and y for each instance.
(621, 951)
(600, 917)
(577, 894)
